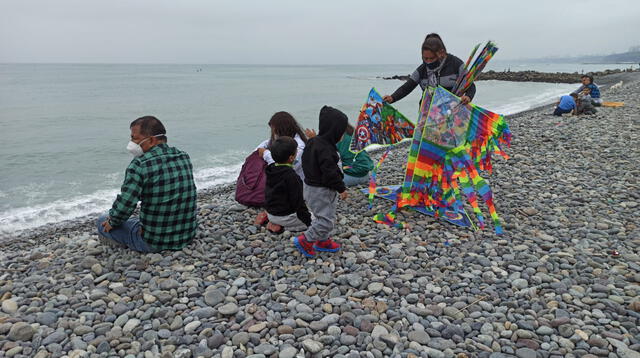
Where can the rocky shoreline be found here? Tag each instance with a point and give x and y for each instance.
(531, 76)
(546, 288)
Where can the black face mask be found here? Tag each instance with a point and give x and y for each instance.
(433, 65)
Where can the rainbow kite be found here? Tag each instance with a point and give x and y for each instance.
(456, 142)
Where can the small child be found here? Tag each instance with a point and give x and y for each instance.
(284, 202)
(323, 182)
(584, 104)
(567, 104)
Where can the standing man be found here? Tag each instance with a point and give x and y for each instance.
(161, 177)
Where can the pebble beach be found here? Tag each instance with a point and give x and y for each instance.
(548, 287)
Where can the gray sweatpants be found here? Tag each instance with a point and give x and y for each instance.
(322, 203)
(289, 222)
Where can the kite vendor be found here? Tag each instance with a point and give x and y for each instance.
(438, 68)
(355, 167)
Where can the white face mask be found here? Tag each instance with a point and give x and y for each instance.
(135, 149)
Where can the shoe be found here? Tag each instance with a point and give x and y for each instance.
(261, 219)
(327, 245)
(275, 228)
(305, 247)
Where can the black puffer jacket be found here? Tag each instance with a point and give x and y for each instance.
(283, 193)
(320, 157)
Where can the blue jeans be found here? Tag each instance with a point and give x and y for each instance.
(559, 111)
(351, 181)
(127, 234)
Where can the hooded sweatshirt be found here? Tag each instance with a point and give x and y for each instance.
(320, 157)
(283, 193)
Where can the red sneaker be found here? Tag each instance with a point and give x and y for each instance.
(261, 219)
(305, 247)
(327, 245)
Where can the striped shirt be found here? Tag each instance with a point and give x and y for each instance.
(162, 179)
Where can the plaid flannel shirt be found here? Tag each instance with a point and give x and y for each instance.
(162, 179)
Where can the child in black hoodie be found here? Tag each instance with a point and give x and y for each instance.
(283, 192)
(323, 183)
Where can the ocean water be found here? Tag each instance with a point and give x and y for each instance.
(64, 127)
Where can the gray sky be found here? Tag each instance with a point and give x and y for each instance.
(305, 32)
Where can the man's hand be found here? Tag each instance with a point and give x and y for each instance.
(106, 226)
(344, 195)
(261, 151)
(465, 99)
(388, 99)
(310, 133)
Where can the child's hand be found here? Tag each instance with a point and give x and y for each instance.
(344, 195)
(310, 133)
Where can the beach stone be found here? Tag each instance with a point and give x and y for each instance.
(288, 352)
(378, 331)
(228, 309)
(204, 312)
(191, 327)
(324, 279)
(9, 306)
(47, 318)
(418, 336)
(265, 349)
(240, 338)
(216, 340)
(519, 283)
(312, 346)
(375, 287)
(622, 349)
(525, 353)
(544, 330)
(169, 284)
(227, 352)
(21, 331)
(453, 313)
(55, 337)
(257, 327)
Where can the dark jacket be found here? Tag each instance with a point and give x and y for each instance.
(320, 157)
(283, 193)
(447, 76)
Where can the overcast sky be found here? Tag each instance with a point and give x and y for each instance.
(306, 32)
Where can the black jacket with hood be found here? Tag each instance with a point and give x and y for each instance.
(283, 193)
(320, 157)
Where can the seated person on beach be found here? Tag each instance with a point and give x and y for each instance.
(594, 91)
(583, 104)
(285, 205)
(355, 167)
(283, 124)
(567, 104)
(161, 177)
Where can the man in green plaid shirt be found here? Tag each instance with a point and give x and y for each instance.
(161, 177)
